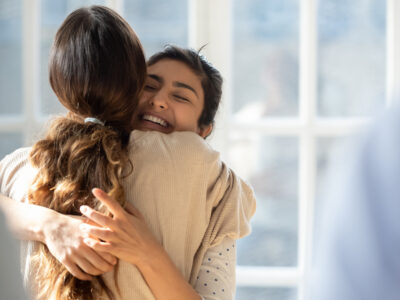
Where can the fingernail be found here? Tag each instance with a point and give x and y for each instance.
(96, 190)
(83, 208)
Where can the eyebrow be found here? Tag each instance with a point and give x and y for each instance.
(156, 78)
(175, 83)
(185, 86)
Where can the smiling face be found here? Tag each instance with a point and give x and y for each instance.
(172, 100)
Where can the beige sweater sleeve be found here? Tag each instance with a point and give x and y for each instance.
(230, 201)
(234, 205)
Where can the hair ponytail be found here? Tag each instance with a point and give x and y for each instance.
(72, 159)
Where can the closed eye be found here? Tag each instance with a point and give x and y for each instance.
(182, 98)
(148, 87)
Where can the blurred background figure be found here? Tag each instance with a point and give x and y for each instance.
(358, 244)
(10, 276)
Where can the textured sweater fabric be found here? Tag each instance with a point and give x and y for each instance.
(190, 200)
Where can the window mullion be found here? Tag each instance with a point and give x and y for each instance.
(210, 25)
(31, 66)
(267, 276)
(393, 51)
(308, 79)
(117, 5)
(198, 23)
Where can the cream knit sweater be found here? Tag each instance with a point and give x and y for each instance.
(189, 198)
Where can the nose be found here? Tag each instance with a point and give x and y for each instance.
(159, 101)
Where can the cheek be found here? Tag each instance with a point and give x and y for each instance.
(186, 119)
(144, 97)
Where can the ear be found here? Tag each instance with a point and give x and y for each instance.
(205, 130)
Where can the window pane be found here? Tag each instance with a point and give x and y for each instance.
(265, 58)
(325, 147)
(158, 22)
(255, 293)
(351, 57)
(270, 164)
(10, 142)
(53, 14)
(331, 153)
(11, 57)
(325, 154)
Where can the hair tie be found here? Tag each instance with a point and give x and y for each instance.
(94, 120)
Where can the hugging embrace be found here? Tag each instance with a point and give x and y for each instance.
(123, 198)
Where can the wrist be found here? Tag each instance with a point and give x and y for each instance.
(152, 259)
(49, 225)
(164, 278)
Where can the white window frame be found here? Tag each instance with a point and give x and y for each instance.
(210, 22)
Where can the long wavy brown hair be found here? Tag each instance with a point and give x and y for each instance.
(97, 69)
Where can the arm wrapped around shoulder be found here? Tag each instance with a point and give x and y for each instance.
(195, 169)
(191, 191)
(230, 200)
(233, 204)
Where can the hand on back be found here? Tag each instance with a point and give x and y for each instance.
(125, 234)
(65, 241)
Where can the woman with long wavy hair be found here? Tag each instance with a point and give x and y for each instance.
(80, 152)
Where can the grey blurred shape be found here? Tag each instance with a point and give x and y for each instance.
(11, 287)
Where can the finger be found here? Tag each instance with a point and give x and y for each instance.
(97, 245)
(96, 217)
(88, 221)
(111, 259)
(86, 266)
(76, 271)
(133, 210)
(97, 260)
(102, 233)
(113, 206)
(83, 219)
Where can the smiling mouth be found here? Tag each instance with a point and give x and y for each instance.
(155, 120)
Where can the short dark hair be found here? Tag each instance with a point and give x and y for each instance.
(211, 79)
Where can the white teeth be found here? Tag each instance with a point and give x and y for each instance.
(155, 120)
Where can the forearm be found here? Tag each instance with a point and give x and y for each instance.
(61, 235)
(165, 280)
(26, 220)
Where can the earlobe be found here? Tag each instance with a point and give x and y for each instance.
(205, 131)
